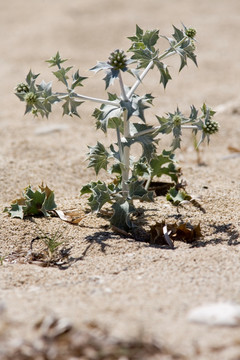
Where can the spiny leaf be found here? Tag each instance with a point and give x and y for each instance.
(165, 76)
(61, 74)
(101, 65)
(177, 196)
(77, 80)
(137, 191)
(56, 60)
(100, 196)
(38, 202)
(15, 211)
(30, 79)
(158, 168)
(98, 157)
(137, 105)
(147, 141)
(71, 104)
(121, 216)
(107, 113)
(150, 38)
(110, 77)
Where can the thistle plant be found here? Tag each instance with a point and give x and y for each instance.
(124, 113)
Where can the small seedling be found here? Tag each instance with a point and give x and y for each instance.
(124, 113)
(38, 202)
(51, 241)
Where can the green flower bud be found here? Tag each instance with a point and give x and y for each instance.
(22, 88)
(30, 98)
(35, 112)
(117, 60)
(177, 120)
(190, 32)
(211, 127)
(193, 45)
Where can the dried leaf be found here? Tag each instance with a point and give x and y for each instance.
(71, 216)
(233, 149)
(159, 233)
(188, 233)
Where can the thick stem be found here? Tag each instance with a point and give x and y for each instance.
(126, 149)
(123, 92)
(120, 145)
(126, 157)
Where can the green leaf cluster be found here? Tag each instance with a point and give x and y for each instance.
(145, 52)
(102, 193)
(177, 196)
(159, 165)
(32, 203)
(39, 98)
(174, 123)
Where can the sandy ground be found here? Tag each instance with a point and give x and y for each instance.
(129, 289)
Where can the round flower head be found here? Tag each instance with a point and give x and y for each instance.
(211, 127)
(118, 60)
(190, 32)
(22, 88)
(177, 120)
(30, 98)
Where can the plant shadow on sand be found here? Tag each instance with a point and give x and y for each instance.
(222, 233)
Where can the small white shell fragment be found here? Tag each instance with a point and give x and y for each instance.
(216, 314)
(50, 128)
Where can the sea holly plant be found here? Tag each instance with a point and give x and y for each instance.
(32, 202)
(125, 113)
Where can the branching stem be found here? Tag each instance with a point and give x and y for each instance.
(97, 100)
(166, 54)
(156, 128)
(141, 77)
(90, 98)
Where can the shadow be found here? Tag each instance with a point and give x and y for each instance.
(234, 237)
(99, 238)
(227, 229)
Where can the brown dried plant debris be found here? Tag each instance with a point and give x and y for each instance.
(177, 232)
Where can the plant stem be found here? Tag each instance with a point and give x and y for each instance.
(90, 98)
(119, 144)
(101, 101)
(189, 127)
(156, 128)
(126, 156)
(141, 77)
(148, 182)
(123, 92)
(126, 149)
